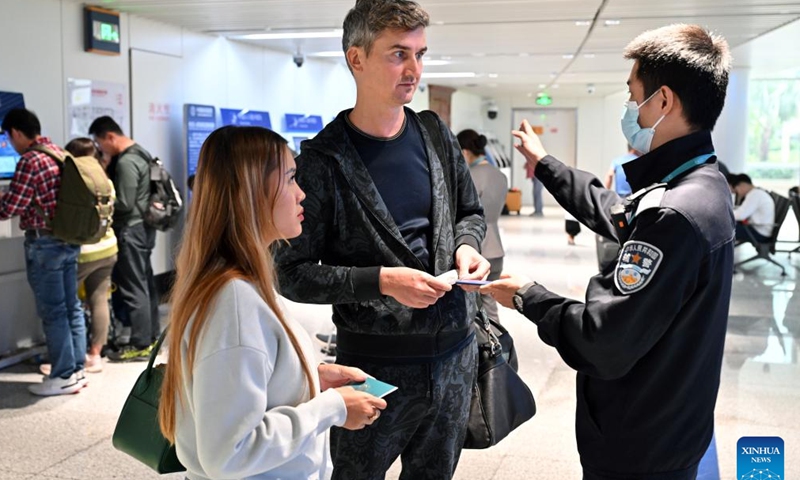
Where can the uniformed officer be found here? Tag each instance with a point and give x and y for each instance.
(648, 341)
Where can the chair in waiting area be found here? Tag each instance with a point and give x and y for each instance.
(794, 198)
(765, 250)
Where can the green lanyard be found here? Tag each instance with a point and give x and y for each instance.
(688, 165)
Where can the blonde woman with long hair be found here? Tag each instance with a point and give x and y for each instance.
(240, 398)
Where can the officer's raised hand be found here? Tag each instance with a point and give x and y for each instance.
(530, 145)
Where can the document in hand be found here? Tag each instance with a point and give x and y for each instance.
(473, 282)
(451, 277)
(374, 387)
(448, 277)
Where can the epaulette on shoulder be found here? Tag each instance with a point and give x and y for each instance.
(648, 198)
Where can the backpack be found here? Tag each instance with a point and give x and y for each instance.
(85, 201)
(165, 204)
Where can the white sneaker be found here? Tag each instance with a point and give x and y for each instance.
(80, 375)
(56, 386)
(94, 364)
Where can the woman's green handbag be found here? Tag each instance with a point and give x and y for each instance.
(137, 432)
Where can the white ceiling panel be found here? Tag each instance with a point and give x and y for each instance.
(522, 43)
(735, 29)
(509, 11)
(678, 8)
(510, 38)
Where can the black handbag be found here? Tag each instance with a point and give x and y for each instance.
(137, 432)
(501, 401)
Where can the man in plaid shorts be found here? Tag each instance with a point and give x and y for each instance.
(51, 263)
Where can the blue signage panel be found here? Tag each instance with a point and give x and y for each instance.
(245, 118)
(303, 123)
(8, 156)
(297, 141)
(199, 122)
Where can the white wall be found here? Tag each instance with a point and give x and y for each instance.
(421, 100)
(34, 67)
(209, 70)
(466, 112)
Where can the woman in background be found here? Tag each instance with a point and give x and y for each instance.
(240, 398)
(492, 186)
(95, 264)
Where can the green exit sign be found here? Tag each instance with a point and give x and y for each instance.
(101, 31)
(106, 32)
(544, 99)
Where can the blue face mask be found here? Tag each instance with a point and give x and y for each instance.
(639, 138)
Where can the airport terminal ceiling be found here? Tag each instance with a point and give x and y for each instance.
(492, 46)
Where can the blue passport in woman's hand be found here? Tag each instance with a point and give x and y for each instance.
(374, 387)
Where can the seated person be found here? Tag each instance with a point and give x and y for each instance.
(755, 215)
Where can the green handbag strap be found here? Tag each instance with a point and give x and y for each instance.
(154, 352)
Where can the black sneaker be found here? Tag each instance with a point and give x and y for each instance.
(129, 353)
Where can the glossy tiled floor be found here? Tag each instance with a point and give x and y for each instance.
(69, 437)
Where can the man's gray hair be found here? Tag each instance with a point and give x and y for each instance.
(369, 18)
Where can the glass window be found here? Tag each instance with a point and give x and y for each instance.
(773, 143)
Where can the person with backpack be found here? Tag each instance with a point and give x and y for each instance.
(96, 260)
(136, 292)
(95, 264)
(51, 263)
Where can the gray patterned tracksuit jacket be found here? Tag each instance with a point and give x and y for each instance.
(349, 234)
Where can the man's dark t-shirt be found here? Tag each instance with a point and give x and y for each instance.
(399, 169)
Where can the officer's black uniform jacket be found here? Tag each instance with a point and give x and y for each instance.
(649, 361)
(348, 234)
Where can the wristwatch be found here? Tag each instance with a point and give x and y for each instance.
(517, 300)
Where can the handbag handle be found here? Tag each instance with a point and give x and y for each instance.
(495, 348)
(154, 352)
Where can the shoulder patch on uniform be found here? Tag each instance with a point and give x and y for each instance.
(636, 266)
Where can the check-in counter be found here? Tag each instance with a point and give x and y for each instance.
(20, 327)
